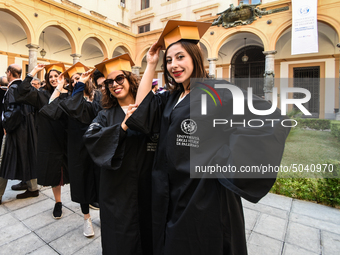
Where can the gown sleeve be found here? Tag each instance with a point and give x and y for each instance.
(104, 143)
(52, 110)
(27, 94)
(147, 117)
(255, 148)
(12, 116)
(78, 108)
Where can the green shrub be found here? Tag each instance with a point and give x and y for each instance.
(322, 190)
(329, 187)
(300, 188)
(335, 130)
(318, 124)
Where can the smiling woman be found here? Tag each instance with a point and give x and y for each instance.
(199, 214)
(52, 167)
(180, 60)
(125, 158)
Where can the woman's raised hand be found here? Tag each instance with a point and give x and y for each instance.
(153, 54)
(37, 69)
(145, 84)
(85, 77)
(61, 82)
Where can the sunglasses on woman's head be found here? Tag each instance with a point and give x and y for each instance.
(119, 80)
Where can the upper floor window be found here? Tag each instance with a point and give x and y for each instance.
(144, 28)
(145, 4)
(122, 3)
(250, 1)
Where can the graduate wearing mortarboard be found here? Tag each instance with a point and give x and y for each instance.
(199, 215)
(81, 108)
(125, 157)
(52, 139)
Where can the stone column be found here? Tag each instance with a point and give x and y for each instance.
(76, 58)
(135, 70)
(212, 67)
(269, 74)
(32, 56)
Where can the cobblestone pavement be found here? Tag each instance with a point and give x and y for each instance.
(276, 225)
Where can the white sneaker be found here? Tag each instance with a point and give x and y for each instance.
(88, 229)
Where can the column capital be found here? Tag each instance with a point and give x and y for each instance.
(76, 55)
(32, 46)
(269, 52)
(212, 59)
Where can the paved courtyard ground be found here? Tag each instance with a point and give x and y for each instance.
(276, 225)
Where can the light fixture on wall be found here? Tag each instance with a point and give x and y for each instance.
(245, 57)
(43, 52)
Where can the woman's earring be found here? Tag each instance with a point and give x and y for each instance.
(111, 95)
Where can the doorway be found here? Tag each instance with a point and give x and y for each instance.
(308, 78)
(249, 73)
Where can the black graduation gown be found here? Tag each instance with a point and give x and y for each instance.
(83, 179)
(51, 149)
(2, 93)
(203, 216)
(125, 158)
(19, 159)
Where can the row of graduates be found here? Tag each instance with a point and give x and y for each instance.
(148, 202)
(47, 147)
(63, 114)
(164, 210)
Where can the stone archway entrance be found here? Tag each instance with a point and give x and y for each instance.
(250, 73)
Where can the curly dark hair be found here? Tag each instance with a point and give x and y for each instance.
(109, 101)
(48, 85)
(197, 58)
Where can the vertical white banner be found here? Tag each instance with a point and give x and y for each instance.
(304, 27)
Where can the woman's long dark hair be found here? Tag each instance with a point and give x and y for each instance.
(109, 100)
(48, 85)
(197, 58)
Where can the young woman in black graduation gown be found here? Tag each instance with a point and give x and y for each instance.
(125, 158)
(197, 216)
(51, 150)
(81, 108)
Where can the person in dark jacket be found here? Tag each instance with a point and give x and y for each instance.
(3, 84)
(19, 155)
